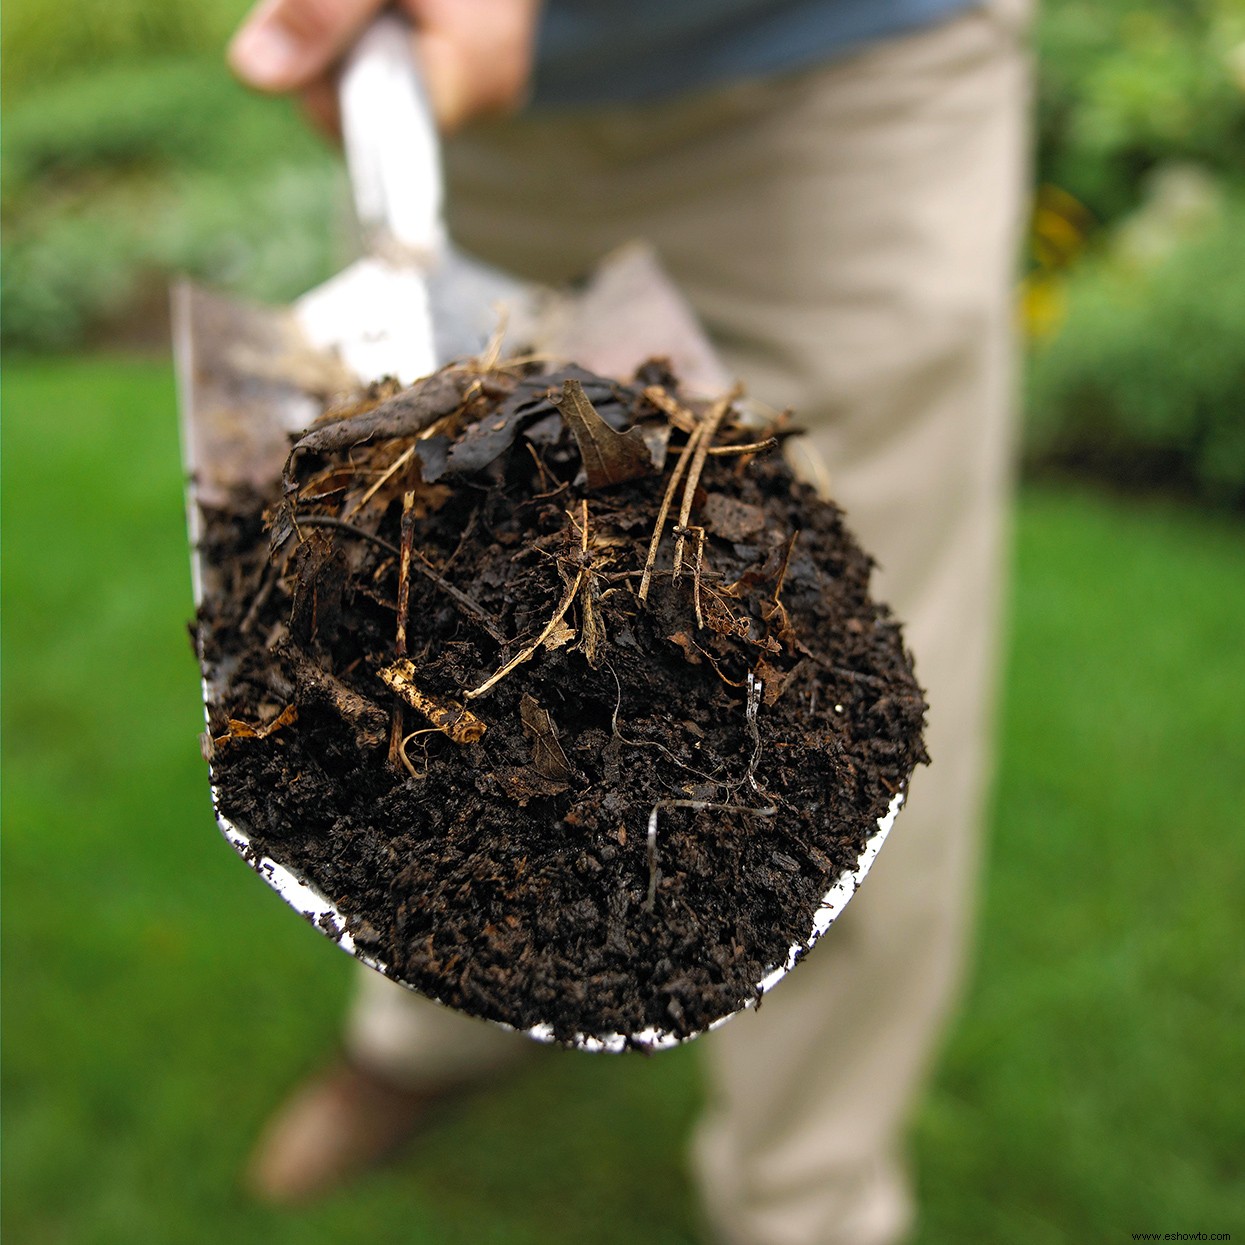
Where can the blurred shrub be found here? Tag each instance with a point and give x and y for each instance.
(1136, 371)
(163, 114)
(1125, 85)
(46, 41)
(1145, 381)
(115, 179)
(270, 237)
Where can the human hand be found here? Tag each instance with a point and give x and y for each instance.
(476, 54)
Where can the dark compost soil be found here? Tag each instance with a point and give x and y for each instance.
(492, 847)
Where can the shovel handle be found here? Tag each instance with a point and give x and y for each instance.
(392, 149)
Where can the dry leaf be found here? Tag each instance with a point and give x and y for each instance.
(688, 645)
(609, 457)
(235, 728)
(548, 759)
(561, 635)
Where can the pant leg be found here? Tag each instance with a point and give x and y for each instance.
(847, 236)
(416, 1042)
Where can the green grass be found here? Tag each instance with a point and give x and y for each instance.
(159, 1000)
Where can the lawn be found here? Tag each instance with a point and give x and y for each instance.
(158, 999)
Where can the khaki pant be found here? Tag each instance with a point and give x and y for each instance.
(848, 238)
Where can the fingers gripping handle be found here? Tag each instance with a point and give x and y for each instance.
(392, 149)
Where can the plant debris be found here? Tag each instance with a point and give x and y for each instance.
(627, 755)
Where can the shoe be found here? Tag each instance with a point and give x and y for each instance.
(340, 1124)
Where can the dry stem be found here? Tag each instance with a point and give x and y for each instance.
(675, 476)
(564, 605)
(723, 451)
(406, 760)
(406, 543)
(707, 431)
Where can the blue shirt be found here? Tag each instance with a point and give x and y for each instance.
(597, 52)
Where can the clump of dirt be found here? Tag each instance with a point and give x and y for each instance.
(564, 691)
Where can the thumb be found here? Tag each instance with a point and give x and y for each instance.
(286, 44)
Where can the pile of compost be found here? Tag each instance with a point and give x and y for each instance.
(564, 691)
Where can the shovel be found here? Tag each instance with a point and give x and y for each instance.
(249, 376)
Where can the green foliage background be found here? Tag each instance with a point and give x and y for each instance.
(1144, 378)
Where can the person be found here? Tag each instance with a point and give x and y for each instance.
(837, 186)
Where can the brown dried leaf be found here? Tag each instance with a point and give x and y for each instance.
(548, 759)
(235, 728)
(522, 784)
(688, 645)
(403, 415)
(593, 642)
(775, 681)
(609, 457)
(724, 623)
(561, 635)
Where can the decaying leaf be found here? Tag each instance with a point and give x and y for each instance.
(561, 635)
(609, 457)
(526, 408)
(523, 784)
(404, 415)
(686, 643)
(235, 728)
(592, 645)
(775, 680)
(447, 715)
(732, 519)
(548, 759)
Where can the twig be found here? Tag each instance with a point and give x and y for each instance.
(675, 476)
(395, 466)
(491, 355)
(707, 430)
(674, 410)
(404, 569)
(782, 570)
(722, 451)
(448, 716)
(469, 603)
(696, 572)
(267, 582)
(327, 520)
(318, 686)
(564, 605)
(754, 447)
(404, 604)
(545, 481)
